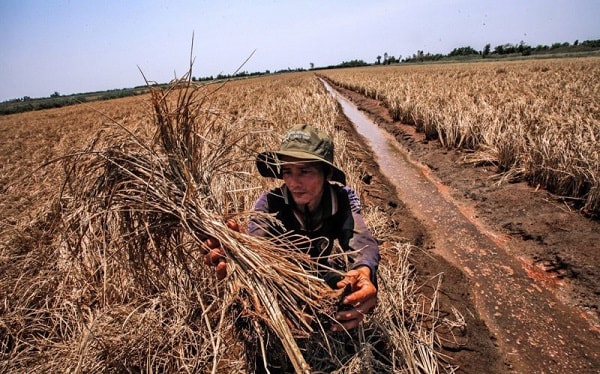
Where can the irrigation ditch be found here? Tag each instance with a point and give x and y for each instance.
(534, 329)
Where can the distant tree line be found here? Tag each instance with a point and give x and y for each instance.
(56, 100)
(505, 49)
(346, 64)
(387, 59)
(242, 74)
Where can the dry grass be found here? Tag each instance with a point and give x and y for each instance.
(537, 120)
(100, 263)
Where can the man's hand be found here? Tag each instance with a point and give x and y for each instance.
(214, 255)
(363, 298)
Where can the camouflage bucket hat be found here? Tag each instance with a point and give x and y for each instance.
(303, 142)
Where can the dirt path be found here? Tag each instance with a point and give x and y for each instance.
(540, 317)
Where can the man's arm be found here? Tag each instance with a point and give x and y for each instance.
(356, 237)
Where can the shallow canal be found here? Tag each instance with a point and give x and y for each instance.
(501, 289)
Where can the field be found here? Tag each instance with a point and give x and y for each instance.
(84, 289)
(536, 120)
(74, 301)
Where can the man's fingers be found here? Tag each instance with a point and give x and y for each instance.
(208, 244)
(221, 269)
(233, 225)
(363, 293)
(364, 299)
(362, 287)
(358, 311)
(212, 243)
(348, 315)
(367, 305)
(212, 258)
(213, 252)
(348, 319)
(351, 277)
(347, 325)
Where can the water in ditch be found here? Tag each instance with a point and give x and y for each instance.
(502, 291)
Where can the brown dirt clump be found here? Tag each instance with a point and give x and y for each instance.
(556, 245)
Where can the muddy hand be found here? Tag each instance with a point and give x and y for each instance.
(362, 299)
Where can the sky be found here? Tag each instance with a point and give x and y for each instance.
(76, 46)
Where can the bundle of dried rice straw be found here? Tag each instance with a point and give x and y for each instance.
(152, 207)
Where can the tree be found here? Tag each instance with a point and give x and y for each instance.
(463, 51)
(420, 55)
(591, 43)
(312, 65)
(486, 50)
(524, 49)
(351, 63)
(378, 60)
(55, 94)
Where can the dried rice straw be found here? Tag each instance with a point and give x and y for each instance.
(145, 200)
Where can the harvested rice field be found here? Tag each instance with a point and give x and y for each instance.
(104, 206)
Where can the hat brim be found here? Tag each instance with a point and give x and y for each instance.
(269, 165)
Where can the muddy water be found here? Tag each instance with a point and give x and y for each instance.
(502, 291)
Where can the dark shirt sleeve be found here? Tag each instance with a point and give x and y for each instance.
(358, 237)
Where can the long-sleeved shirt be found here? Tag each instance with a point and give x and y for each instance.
(338, 217)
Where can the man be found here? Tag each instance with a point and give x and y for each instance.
(315, 202)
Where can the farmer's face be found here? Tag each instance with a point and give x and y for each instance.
(305, 180)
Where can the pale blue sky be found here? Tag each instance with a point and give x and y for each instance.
(84, 45)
